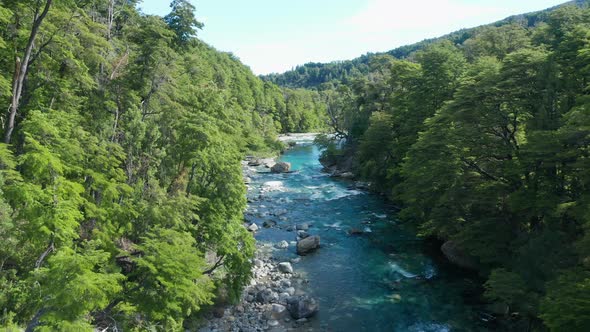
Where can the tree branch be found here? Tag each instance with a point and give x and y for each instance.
(217, 265)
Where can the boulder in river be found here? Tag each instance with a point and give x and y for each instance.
(282, 245)
(281, 167)
(269, 223)
(457, 256)
(302, 234)
(253, 227)
(285, 267)
(302, 306)
(308, 245)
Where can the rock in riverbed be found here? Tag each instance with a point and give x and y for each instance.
(282, 245)
(269, 223)
(281, 167)
(302, 227)
(308, 245)
(302, 306)
(285, 267)
(253, 227)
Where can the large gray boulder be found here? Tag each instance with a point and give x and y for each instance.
(281, 167)
(302, 306)
(457, 256)
(285, 267)
(308, 245)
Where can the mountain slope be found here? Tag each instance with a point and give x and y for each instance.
(312, 75)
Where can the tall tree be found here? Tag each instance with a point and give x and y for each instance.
(21, 65)
(182, 21)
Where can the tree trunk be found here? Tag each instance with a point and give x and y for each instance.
(110, 19)
(21, 71)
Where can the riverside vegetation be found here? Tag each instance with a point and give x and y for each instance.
(123, 136)
(121, 188)
(482, 139)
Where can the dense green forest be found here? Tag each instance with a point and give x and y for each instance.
(486, 143)
(121, 187)
(121, 190)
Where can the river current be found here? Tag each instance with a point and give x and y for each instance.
(386, 279)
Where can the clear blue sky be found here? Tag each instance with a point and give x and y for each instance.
(276, 35)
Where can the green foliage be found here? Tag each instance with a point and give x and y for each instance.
(182, 20)
(73, 285)
(565, 308)
(330, 151)
(124, 170)
(483, 138)
(170, 284)
(505, 286)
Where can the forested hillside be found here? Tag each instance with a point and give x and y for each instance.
(315, 75)
(486, 144)
(121, 188)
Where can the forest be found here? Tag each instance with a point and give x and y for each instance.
(485, 144)
(123, 135)
(120, 165)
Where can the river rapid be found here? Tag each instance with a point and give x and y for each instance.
(385, 279)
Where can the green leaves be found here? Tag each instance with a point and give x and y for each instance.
(565, 308)
(170, 284)
(74, 284)
(124, 170)
(485, 141)
(505, 286)
(182, 20)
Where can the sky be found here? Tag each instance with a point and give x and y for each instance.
(277, 35)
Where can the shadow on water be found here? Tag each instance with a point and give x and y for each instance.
(385, 279)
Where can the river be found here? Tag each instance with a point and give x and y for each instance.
(386, 279)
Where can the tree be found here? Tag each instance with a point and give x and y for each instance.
(21, 66)
(182, 21)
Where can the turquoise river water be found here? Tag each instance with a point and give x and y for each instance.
(386, 279)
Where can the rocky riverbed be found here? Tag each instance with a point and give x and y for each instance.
(275, 300)
(369, 273)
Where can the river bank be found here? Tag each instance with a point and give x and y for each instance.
(370, 273)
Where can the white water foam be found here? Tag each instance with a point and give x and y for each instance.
(337, 224)
(273, 186)
(298, 138)
(396, 268)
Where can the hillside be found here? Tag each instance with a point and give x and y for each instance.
(121, 189)
(313, 75)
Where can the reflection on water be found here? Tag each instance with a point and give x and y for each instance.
(380, 280)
